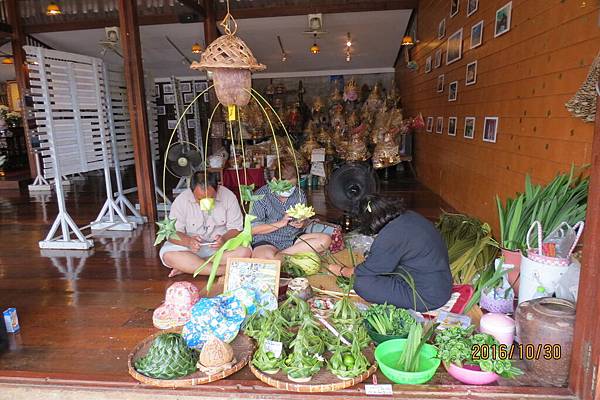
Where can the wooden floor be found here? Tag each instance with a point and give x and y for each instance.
(82, 312)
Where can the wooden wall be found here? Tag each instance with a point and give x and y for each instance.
(524, 77)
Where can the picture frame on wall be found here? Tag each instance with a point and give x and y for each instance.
(185, 87)
(429, 126)
(454, 6)
(472, 6)
(490, 129)
(191, 123)
(439, 125)
(190, 111)
(452, 121)
(167, 88)
(198, 87)
(161, 110)
(476, 35)
(503, 19)
(169, 98)
(453, 91)
(454, 47)
(156, 90)
(442, 29)
(428, 65)
(438, 58)
(469, 132)
(171, 124)
(471, 74)
(440, 84)
(188, 98)
(204, 86)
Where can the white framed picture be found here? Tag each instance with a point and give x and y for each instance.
(171, 124)
(161, 110)
(469, 128)
(185, 87)
(167, 88)
(442, 29)
(452, 91)
(191, 123)
(472, 6)
(254, 273)
(503, 17)
(428, 65)
(476, 35)
(471, 74)
(429, 126)
(454, 47)
(156, 90)
(198, 87)
(190, 111)
(452, 126)
(438, 58)
(169, 99)
(490, 129)
(188, 98)
(439, 126)
(454, 6)
(440, 84)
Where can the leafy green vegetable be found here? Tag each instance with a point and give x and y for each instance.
(302, 264)
(265, 360)
(280, 185)
(294, 309)
(345, 312)
(389, 320)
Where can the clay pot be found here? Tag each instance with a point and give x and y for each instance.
(513, 257)
(547, 321)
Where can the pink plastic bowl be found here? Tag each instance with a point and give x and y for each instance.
(471, 374)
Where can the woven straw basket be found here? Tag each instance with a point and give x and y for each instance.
(228, 51)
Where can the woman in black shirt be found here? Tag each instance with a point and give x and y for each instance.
(407, 247)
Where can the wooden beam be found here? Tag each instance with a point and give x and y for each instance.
(21, 74)
(193, 5)
(586, 341)
(210, 22)
(77, 25)
(134, 77)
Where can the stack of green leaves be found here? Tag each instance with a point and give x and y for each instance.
(302, 264)
(169, 357)
(345, 313)
(293, 309)
(471, 247)
(388, 320)
(253, 324)
(347, 362)
(305, 359)
(562, 200)
(265, 360)
(275, 327)
(418, 335)
(455, 345)
(309, 336)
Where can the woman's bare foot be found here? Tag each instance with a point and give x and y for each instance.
(175, 272)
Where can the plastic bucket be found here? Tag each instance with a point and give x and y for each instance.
(538, 280)
(388, 353)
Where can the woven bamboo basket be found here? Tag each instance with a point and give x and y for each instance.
(323, 381)
(242, 346)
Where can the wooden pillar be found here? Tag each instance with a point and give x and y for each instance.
(134, 77)
(210, 21)
(585, 368)
(21, 73)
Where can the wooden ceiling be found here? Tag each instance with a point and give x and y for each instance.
(90, 14)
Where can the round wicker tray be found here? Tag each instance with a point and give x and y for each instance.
(242, 346)
(324, 381)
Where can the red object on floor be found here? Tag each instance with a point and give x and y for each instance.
(466, 292)
(255, 176)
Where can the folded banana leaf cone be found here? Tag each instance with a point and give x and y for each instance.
(168, 358)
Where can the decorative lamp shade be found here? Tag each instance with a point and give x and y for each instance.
(407, 41)
(196, 48)
(7, 60)
(53, 9)
(315, 49)
(231, 62)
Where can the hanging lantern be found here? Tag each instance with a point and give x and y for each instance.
(407, 41)
(7, 60)
(196, 48)
(53, 9)
(231, 62)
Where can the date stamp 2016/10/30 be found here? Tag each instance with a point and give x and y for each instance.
(516, 351)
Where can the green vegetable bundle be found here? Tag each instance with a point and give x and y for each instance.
(471, 247)
(294, 309)
(265, 360)
(253, 325)
(347, 362)
(305, 358)
(562, 200)
(169, 357)
(280, 185)
(389, 320)
(345, 313)
(309, 337)
(275, 327)
(300, 366)
(302, 264)
(455, 345)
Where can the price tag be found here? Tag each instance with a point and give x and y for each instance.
(317, 155)
(379, 390)
(318, 169)
(274, 347)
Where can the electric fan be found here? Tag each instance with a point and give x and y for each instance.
(183, 159)
(347, 186)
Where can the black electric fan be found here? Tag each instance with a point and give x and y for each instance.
(183, 159)
(347, 186)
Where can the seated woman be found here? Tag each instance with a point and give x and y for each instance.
(274, 233)
(406, 244)
(200, 232)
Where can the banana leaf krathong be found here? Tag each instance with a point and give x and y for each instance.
(166, 230)
(280, 185)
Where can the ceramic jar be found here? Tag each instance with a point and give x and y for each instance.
(546, 324)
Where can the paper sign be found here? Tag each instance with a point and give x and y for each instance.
(317, 155)
(318, 169)
(379, 390)
(273, 347)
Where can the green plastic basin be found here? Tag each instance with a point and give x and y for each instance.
(379, 338)
(388, 353)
